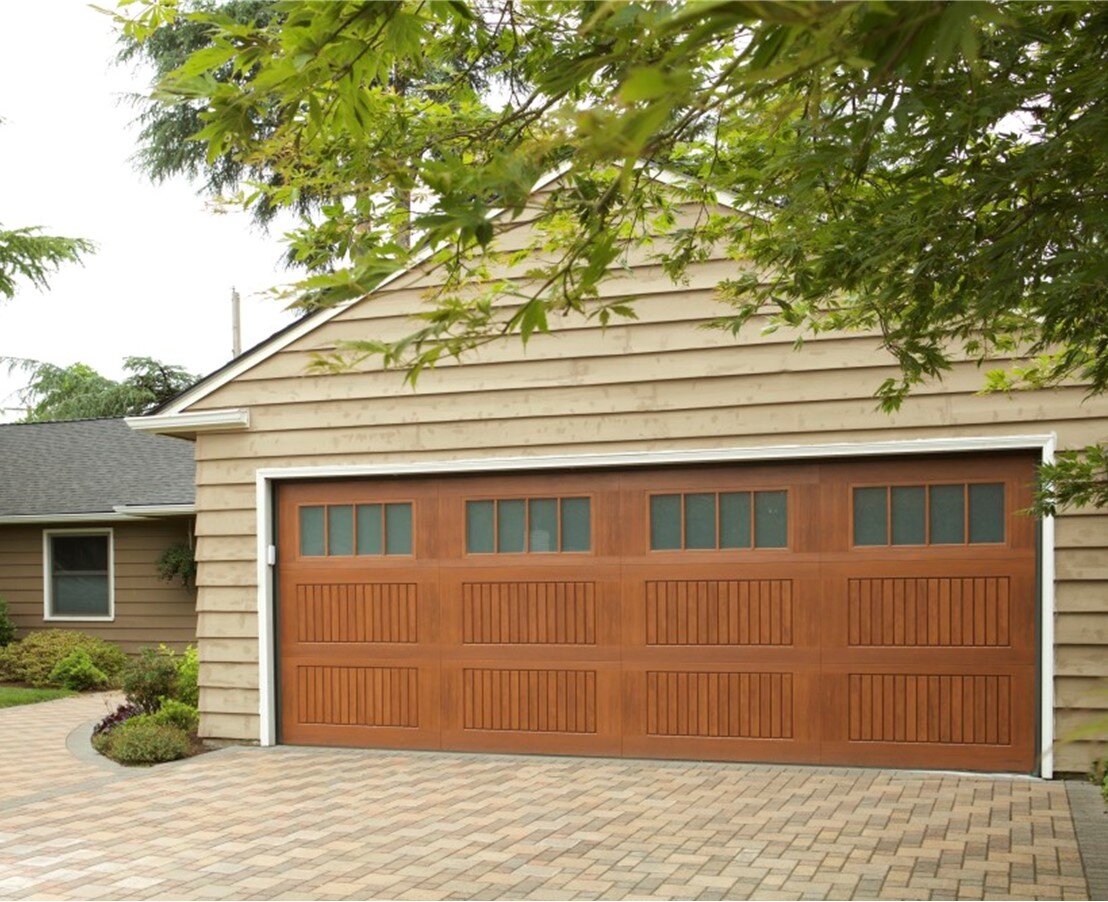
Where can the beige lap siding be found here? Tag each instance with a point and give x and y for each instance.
(659, 383)
(148, 610)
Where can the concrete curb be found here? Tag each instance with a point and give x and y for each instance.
(1090, 822)
(79, 743)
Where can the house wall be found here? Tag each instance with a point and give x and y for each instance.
(148, 611)
(661, 382)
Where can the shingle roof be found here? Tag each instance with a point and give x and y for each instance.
(90, 466)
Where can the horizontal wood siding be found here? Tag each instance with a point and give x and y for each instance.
(148, 611)
(661, 382)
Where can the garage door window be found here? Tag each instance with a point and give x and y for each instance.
(337, 530)
(534, 525)
(719, 520)
(929, 515)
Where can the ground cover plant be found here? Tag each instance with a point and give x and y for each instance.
(10, 696)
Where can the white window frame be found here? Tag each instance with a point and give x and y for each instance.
(48, 582)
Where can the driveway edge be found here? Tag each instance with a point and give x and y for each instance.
(1090, 823)
(79, 743)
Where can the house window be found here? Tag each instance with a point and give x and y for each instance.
(719, 520)
(535, 525)
(78, 575)
(929, 514)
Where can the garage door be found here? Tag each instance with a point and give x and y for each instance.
(875, 612)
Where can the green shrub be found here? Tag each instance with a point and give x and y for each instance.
(1100, 776)
(149, 678)
(34, 658)
(7, 627)
(188, 678)
(142, 740)
(76, 671)
(177, 714)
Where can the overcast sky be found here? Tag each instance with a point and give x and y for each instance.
(160, 282)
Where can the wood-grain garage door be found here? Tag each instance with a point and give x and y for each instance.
(874, 612)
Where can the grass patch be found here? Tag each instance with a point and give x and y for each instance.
(10, 696)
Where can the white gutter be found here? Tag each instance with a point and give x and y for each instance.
(120, 513)
(155, 510)
(30, 519)
(187, 423)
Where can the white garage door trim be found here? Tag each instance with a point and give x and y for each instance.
(266, 552)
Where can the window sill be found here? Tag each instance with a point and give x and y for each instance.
(63, 618)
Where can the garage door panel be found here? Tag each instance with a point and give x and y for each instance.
(724, 607)
(358, 612)
(975, 713)
(1014, 472)
(931, 606)
(539, 706)
(736, 713)
(602, 499)
(355, 701)
(531, 610)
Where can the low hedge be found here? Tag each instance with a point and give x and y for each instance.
(143, 740)
(34, 659)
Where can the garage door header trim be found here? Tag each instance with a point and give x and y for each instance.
(1044, 443)
(664, 457)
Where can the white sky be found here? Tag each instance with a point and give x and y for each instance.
(160, 282)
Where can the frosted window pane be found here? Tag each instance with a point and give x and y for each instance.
(479, 528)
(340, 529)
(311, 532)
(665, 522)
(771, 524)
(369, 529)
(986, 513)
(700, 521)
(909, 511)
(948, 514)
(398, 528)
(734, 520)
(542, 524)
(510, 518)
(871, 517)
(576, 524)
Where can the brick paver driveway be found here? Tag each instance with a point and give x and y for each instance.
(321, 823)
